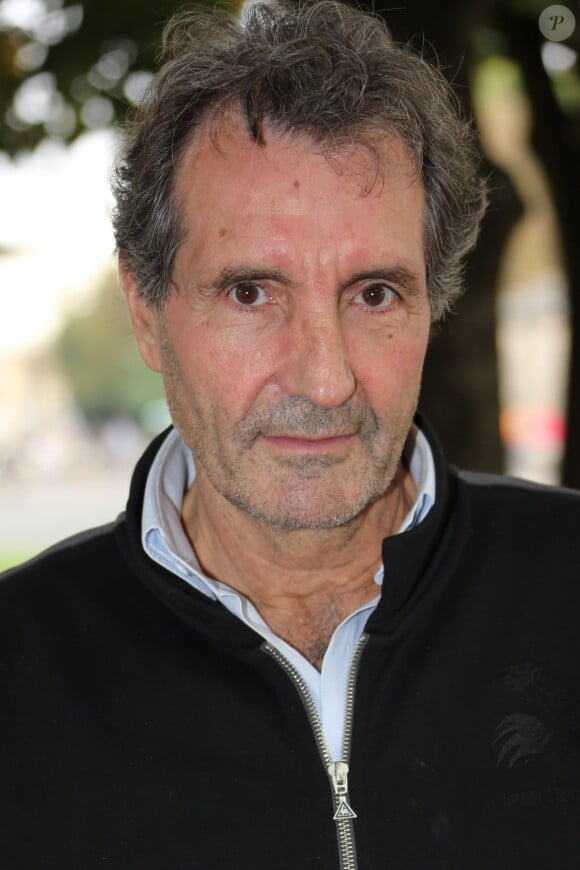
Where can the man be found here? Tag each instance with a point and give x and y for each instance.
(308, 642)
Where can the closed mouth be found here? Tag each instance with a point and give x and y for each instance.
(305, 441)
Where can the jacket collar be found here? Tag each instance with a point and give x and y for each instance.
(409, 559)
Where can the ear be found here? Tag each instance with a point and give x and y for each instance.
(144, 317)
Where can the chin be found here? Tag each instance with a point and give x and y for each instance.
(300, 511)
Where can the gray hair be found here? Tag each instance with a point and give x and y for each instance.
(321, 68)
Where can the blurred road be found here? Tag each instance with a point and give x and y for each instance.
(35, 515)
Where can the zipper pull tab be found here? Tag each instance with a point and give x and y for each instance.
(338, 773)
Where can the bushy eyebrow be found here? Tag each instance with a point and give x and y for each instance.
(398, 275)
(226, 277)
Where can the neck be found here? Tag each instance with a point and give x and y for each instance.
(303, 583)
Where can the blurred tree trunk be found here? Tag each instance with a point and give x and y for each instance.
(557, 147)
(460, 384)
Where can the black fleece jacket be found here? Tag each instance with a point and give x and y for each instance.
(144, 727)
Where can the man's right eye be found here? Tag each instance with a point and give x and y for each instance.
(248, 295)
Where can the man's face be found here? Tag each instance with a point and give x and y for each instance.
(293, 343)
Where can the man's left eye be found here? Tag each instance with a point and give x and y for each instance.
(376, 296)
(248, 295)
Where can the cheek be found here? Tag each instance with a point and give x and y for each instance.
(221, 365)
(390, 371)
(233, 372)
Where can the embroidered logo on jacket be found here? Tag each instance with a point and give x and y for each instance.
(556, 730)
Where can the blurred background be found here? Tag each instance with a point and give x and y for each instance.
(77, 406)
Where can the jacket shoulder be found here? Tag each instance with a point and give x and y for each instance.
(546, 515)
(503, 487)
(78, 556)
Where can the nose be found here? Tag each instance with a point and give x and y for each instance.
(317, 366)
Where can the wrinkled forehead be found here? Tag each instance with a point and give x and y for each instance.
(362, 157)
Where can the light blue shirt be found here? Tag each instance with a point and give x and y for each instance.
(164, 540)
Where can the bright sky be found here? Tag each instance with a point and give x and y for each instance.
(54, 219)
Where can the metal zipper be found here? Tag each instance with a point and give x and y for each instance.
(337, 770)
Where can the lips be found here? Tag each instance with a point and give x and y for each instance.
(305, 442)
(294, 437)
